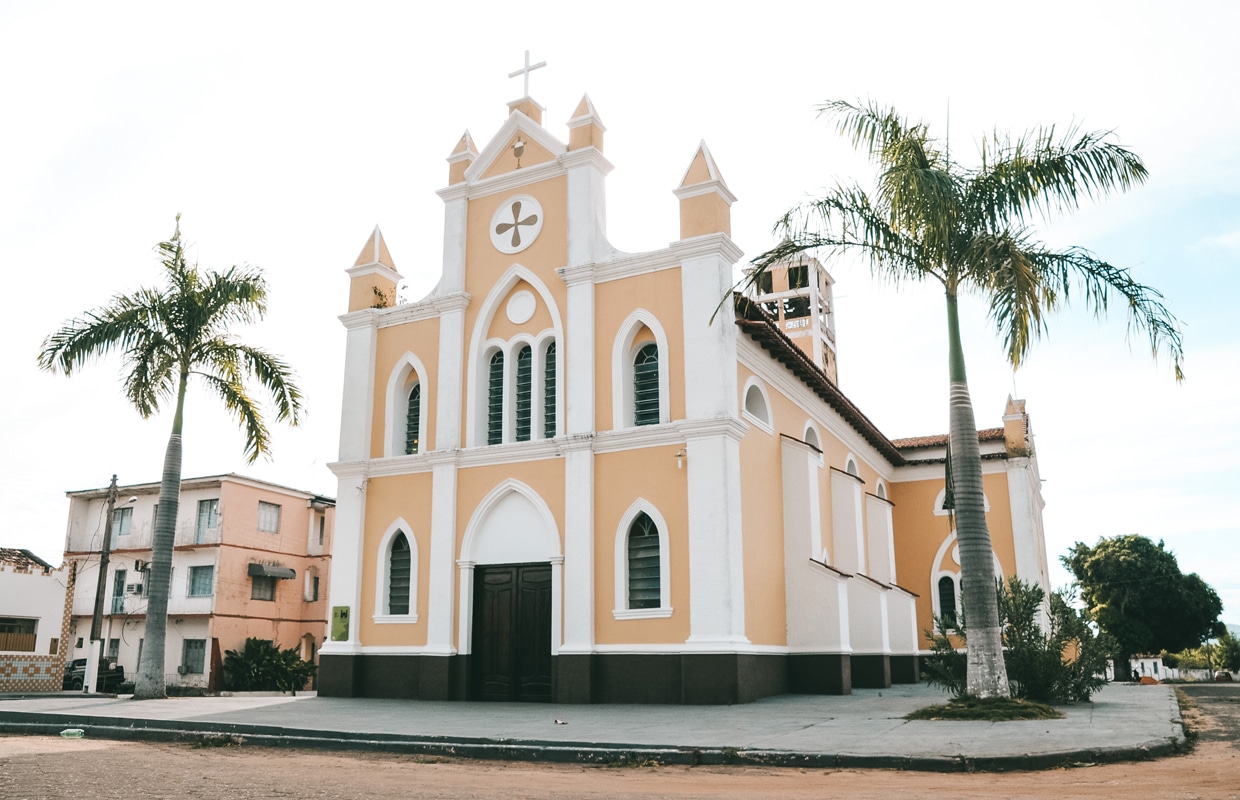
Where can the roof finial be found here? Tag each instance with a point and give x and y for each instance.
(526, 70)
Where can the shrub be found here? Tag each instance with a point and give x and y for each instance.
(260, 666)
(1064, 663)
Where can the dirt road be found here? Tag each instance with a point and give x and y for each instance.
(43, 767)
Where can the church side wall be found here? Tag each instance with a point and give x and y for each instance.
(388, 499)
(420, 338)
(657, 293)
(621, 479)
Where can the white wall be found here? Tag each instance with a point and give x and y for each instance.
(35, 595)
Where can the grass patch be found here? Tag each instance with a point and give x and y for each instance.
(998, 709)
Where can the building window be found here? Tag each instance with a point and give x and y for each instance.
(495, 400)
(200, 581)
(268, 517)
(525, 393)
(398, 576)
(312, 585)
(947, 600)
(646, 385)
(798, 276)
(17, 635)
(755, 405)
(644, 585)
(262, 587)
(413, 419)
(122, 519)
(114, 649)
(208, 519)
(549, 392)
(322, 526)
(118, 591)
(194, 655)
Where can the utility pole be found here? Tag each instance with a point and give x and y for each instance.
(95, 654)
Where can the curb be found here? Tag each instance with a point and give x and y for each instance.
(210, 734)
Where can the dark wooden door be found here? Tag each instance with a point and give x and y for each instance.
(512, 633)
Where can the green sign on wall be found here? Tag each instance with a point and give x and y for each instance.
(340, 623)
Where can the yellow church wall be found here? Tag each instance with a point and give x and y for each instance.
(623, 477)
(507, 162)
(762, 523)
(422, 339)
(658, 293)
(485, 265)
(706, 213)
(919, 534)
(362, 292)
(388, 499)
(545, 477)
(503, 328)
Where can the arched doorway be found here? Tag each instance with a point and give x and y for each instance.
(510, 591)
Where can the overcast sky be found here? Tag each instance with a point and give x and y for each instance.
(283, 132)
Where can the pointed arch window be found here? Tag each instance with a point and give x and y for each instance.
(413, 420)
(643, 556)
(495, 400)
(399, 572)
(549, 420)
(525, 393)
(646, 385)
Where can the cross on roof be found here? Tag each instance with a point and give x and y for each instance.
(526, 70)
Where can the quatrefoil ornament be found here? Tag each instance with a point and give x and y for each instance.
(516, 224)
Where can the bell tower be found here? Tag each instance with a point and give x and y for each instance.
(798, 295)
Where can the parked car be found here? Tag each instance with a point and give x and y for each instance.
(1222, 677)
(111, 675)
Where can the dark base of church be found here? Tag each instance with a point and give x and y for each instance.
(690, 679)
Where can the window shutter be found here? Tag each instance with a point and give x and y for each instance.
(495, 401)
(525, 392)
(646, 386)
(398, 576)
(549, 392)
(413, 419)
(644, 584)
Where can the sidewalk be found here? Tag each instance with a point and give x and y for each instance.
(865, 729)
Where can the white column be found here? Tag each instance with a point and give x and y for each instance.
(710, 346)
(578, 547)
(716, 556)
(440, 603)
(455, 221)
(587, 206)
(465, 606)
(357, 403)
(450, 378)
(345, 586)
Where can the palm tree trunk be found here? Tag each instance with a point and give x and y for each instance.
(987, 675)
(152, 683)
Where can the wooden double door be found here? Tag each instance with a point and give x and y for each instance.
(511, 649)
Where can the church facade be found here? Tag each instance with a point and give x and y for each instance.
(564, 477)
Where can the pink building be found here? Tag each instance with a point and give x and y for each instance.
(251, 559)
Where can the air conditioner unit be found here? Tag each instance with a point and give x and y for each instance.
(134, 588)
(182, 670)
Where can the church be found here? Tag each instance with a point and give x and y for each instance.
(569, 474)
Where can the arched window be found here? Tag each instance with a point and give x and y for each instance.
(851, 468)
(645, 587)
(646, 385)
(495, 400)
(755, 404)
(525, 393)
(399, 575)
(947, 599)
(413, 419)
(549, 392)
(811, 438)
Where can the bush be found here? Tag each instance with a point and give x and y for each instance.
(262, 667)
(1063, 664)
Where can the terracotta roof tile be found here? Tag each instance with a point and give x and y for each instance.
(940, 439)
(22, 558)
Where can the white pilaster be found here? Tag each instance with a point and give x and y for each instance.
(710, 338)
(357, 403)
(579, 358)
(455, 219)
(345, 586)
(716, 554)
(450, 378)
(440, 603)
(587, 206)
(578, 547)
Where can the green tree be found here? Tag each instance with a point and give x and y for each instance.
(1135, 591)
(966, 229)
(166, 336)
(1227, 654)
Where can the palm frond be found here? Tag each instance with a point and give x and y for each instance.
(1042, 172)
(238, 401)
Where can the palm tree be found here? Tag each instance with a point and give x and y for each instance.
(166, 336)
(967, 229)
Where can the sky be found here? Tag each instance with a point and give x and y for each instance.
(284, 132)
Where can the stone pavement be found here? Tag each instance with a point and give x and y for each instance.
(865, 729)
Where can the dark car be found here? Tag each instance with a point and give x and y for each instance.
(111, 675)
(1222, 677)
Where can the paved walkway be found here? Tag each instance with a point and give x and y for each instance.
(865, 729)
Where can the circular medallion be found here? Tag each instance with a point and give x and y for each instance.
(520, 307)
(516, 224)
